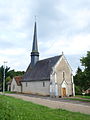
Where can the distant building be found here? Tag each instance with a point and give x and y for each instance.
(15, 84)
(87, 91)
(52, 76)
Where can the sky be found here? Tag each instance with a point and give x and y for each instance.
(62, 25)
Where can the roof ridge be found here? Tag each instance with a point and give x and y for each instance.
(50, 58)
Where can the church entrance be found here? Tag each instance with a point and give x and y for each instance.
(63, 92)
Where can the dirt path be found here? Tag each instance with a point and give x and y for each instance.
(55, 104)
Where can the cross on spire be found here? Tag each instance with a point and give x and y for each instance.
(35, 18)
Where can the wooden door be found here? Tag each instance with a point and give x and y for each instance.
(63, 92)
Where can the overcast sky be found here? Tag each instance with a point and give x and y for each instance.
(62, 25)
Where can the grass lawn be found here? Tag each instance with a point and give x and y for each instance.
(78, 99)
(16, 109)
(10, 92)
(87, 97)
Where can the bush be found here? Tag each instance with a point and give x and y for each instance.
(88, 94)
(78, 90)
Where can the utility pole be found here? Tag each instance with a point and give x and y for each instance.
(4, 78)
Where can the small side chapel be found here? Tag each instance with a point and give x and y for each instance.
(51, 76)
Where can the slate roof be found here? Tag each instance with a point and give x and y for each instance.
(41, 70)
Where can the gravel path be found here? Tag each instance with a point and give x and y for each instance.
(55, 104)
(59, 99)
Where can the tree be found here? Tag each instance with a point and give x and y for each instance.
(9, 74)
(82, 78)
(13, 73)
(77, 77)
(2, 74)
(86, 63)
(77, 81)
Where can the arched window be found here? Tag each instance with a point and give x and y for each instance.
(63, 75)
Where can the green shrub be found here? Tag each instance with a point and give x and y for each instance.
(78, 90)
(88, 94)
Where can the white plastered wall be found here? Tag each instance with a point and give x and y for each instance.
(15, 87)
(36, 87)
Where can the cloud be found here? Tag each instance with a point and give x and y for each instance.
(61, 25)
(76, 44)
(76, 16)
(13, 52)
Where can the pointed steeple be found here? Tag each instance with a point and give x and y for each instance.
(34, 53)
(35, 47)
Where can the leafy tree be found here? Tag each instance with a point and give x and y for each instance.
(86, 63)
(9, 74)
(82, 78)
(2, 74)
(13, 73)
(77, 77)
(8, 79)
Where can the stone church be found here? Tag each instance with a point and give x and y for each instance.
(51, 76)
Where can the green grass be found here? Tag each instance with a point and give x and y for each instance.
(17, 109)
(78, 99)
(86, 97)
(10, 92)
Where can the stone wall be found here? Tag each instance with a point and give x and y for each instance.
(62, 73)
(61, 67)
(36, 87)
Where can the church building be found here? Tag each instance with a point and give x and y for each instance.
(50, 77)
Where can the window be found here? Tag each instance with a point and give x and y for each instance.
(63, 75)
(26, 84)
(13, 87)
(43, 84)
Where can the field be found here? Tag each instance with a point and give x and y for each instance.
(16, 109)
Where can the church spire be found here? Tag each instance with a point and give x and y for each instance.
(34, 53)
(35, 46)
